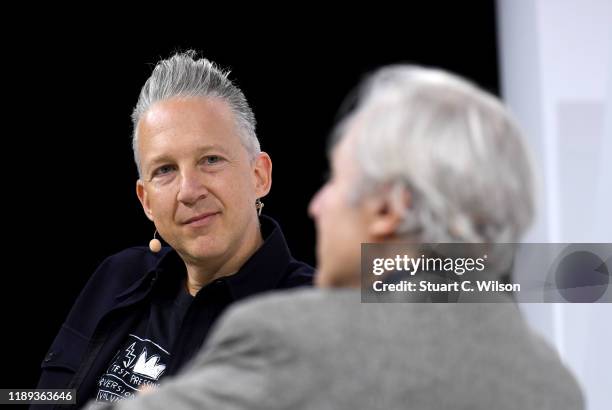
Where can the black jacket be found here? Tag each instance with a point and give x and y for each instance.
(119, 290)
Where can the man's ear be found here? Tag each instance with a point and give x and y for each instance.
(263, 174)
(144, 199)
(387, 211)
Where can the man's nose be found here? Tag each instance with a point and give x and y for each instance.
(315, 203)
(192, 187)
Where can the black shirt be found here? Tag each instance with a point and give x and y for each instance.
(144, 356)
(122, 290)
(172, 320)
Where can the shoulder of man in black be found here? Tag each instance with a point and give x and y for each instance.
(277, 255)
(117, 275)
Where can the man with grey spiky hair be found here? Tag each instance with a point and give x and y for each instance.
(424, 157)
(147, 310)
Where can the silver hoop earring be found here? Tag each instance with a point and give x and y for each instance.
(259, 206)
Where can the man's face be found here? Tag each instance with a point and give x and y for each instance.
(198, 183)
(341, 226)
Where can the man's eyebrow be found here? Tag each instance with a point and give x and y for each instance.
(212, 147)
(162, 158)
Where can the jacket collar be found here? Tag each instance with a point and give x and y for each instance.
(264, 270)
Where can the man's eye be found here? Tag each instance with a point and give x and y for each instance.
(163, 170)
(212, 159)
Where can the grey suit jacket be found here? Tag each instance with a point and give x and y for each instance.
(323, 349)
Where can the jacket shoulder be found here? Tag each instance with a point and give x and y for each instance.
(266, 321)
(277, 312)
(128, 264)
(116, 274)
(297, 274)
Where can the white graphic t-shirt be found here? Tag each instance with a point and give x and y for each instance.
(140, 364)
(145, 354)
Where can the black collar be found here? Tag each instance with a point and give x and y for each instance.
(264, 270)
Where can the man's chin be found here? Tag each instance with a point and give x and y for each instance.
(202, 251)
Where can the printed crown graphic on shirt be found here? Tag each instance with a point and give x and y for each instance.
(148, 367)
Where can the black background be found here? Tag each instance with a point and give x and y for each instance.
(69, 195)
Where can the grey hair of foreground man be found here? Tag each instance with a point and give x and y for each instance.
(452, 146)
(182, 75)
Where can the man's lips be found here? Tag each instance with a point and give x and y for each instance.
(199, 218)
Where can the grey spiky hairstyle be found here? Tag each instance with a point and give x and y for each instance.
(183, 75)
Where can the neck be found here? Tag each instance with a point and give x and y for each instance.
(201, 274)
